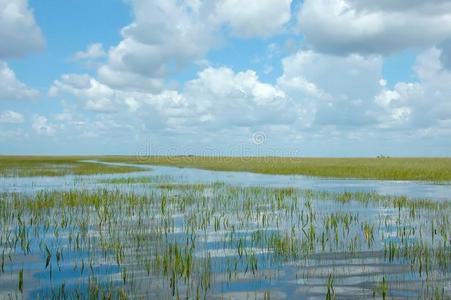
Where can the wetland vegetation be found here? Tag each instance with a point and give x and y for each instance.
(140, 237)
(384, 168)
(31, 166)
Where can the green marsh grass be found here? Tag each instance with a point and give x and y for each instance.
(436, 170)
(157, 242)
(30, 166)
(393, 168)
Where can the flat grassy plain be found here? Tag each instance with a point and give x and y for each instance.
(421, 169)
(24, 166)
(426, 169)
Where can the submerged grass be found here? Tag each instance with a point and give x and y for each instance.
(29, 166)
(193, 241)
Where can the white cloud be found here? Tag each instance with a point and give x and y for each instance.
(95, 96)
(349, 93)
(164, 36)
(239, 99)
(218, 97)
(93, 51)
(342, 98)
(333, 90)
(397, 109)
(130, 106)
(254, 18)
(338, 76)
(167, 35)
(319, 97)
(386, 97)
(368, 27)
(19, 33)
(401, 92)
(421, 106)
(434, 107)
(41, 126)
(11, 88)
(12, 117)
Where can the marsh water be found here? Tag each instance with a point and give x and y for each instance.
(413, 189)
(167, 233)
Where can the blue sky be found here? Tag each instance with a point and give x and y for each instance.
(223, 77)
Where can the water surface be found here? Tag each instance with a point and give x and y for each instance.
(188, 233)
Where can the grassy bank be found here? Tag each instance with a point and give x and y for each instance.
(54, 166)
(428, 169)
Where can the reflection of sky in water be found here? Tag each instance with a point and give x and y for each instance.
(288, 280)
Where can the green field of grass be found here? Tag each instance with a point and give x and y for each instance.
(22, 166)
(427, 169)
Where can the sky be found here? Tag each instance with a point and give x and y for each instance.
(226, 77)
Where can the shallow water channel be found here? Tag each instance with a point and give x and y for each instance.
(186, 233)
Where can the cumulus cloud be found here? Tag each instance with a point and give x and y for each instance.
(95, 95)
(369, 27)
(164, 36)
(167, 35)
(239, 99)
(334, 90)
(434, 107)
(396, 104)
(350, 94)
(127, 108)
(10, 87)
(421, 106)
(93, 51)
(40, 125)
(331, 89)
(11, 117)
(19, 34)
(131, 89)
(318, 95)
(218, 97)
(254, 18)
